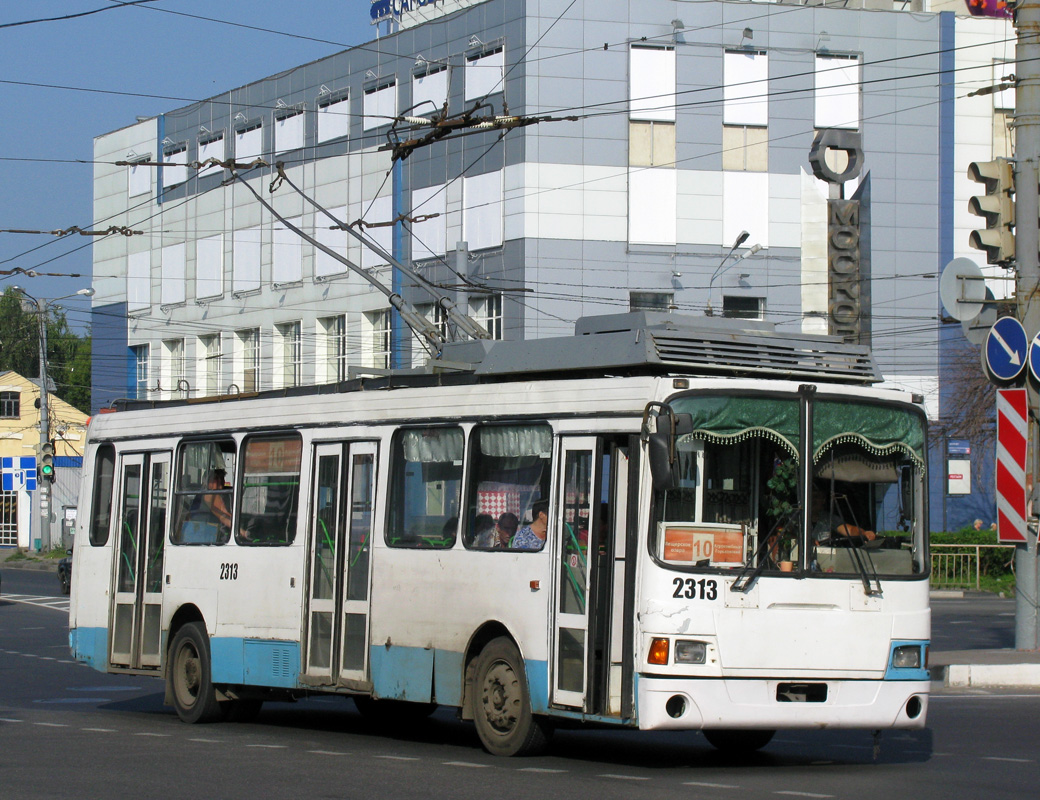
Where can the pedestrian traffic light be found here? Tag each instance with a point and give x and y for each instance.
(47, 461)
(997, 207)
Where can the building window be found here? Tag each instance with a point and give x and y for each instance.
(291, 354)
(288, 131)
(485, 74)
(8, 519)
(745, 111)
(1003, 134)
(333, 118)
(210, 366)
(139, 354)
(650, 301)
(651, 89)
(651, 144)
(377, 340)
(10, 405)
(249, 342)
(249, 141)
(138, 177)
(430, 91)
(837, 92)
(176, 172)
(488, 312)
(212, 147)
(173, 368)
(743, 307)
(334, 331)
(380, 105)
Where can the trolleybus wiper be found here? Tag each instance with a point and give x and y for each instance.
(856, 555)
(746, 580)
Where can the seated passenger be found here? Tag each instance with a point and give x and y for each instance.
(483, 531)
(532, 537)
(505, 530)
(828, 524)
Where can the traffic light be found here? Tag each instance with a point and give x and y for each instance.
(47, 461)
(997, 207)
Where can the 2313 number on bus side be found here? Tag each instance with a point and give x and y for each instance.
(693, 589)
(229, 572)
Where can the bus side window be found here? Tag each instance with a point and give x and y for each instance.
(101, 503)
(204, 492)
(270, 491)
(425, 487)
(509, 480)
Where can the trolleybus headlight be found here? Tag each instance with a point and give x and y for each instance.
(907, 656)
(687, 652)
(658, 652)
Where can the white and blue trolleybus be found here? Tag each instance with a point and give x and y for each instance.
(653, 524)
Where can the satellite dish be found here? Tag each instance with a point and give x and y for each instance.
(962, 289)
(975, 329)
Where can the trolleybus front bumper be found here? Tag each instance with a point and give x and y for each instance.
(694, 703)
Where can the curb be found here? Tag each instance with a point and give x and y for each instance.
(35, 566)
(991, 676)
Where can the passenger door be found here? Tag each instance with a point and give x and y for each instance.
(574, 518)
(144, 490)
(340, 547)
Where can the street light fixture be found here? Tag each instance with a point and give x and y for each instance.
(46, 448)
(721, 268)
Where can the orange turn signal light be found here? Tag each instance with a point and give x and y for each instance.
(658, 652)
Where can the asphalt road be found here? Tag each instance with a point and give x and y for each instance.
(68, 730)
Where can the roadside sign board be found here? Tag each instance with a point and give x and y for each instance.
(18, 473)
(1034, 358)
(1012, 435)
(1006, 349)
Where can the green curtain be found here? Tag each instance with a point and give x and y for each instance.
(727, 419)
(881, 430)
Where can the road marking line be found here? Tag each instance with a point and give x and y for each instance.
(804, 794)
(156, 735)
(206, 741)
(270, 746)
(327, 753)
(1012, 760)
(544, 770)
(711, 785)
(399, 758)
(622, 777)
(50, 724)
(5, 719)
(99, 730)
(465, 764)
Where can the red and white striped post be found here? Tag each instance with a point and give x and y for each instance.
(1012, 440)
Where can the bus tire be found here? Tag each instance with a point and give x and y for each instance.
(736, 742)
(502, 703)
(189, 676)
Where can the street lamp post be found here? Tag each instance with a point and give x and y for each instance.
(721, 268)
(42, 485)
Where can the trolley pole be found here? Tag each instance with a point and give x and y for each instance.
(1027, 252)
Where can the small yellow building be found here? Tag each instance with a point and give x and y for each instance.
(20, 439)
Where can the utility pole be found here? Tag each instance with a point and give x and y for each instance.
(43, 484)
(1027, 251)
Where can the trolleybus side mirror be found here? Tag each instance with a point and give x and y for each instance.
(659, 451)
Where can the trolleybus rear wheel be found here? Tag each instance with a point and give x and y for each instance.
(189, 675)
(502, 703)
(738, 741)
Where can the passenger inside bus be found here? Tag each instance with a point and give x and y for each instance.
(208, 519)
(828, 522)
(532, 537)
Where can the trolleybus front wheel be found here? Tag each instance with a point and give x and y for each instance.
(736, 742)
(189, 676)
(502, 703)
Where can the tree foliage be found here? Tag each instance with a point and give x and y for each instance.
(68, 354)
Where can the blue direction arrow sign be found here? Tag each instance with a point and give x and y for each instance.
(1006, 349)
(1034, 358)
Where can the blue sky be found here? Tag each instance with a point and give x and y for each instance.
(143, 51)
